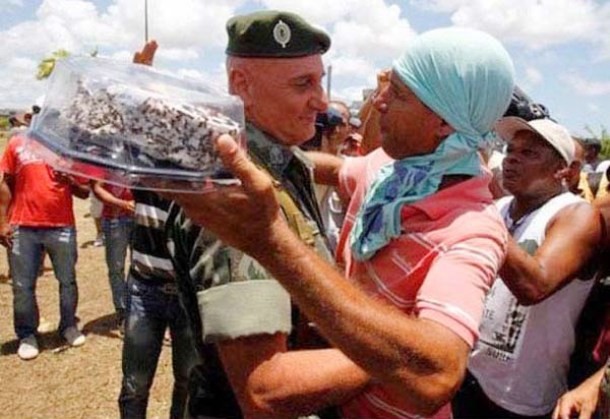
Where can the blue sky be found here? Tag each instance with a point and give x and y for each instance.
(561, 48)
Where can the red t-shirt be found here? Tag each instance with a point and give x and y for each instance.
(39, 200)
(110, 211)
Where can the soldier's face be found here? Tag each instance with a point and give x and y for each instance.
(284, 96)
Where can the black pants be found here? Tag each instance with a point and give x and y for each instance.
(470, 402)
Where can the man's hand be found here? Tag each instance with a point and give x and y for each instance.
(129, 206)
(6, 236)
(241, 216)
(64, 178)
(580, 401)
(147, 55)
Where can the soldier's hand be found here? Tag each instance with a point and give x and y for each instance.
(147, 55)
(241, 216)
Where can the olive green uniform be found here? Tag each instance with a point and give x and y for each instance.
(227, 294)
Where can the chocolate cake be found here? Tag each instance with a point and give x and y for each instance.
(119, 121)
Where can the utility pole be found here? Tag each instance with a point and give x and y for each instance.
(329, 76)
(145, 21)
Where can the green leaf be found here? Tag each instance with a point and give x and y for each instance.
(46, 66)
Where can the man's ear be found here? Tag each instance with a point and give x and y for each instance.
(444, 130)
(563, 172)
(239, 84)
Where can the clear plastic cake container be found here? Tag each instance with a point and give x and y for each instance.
(134, 126)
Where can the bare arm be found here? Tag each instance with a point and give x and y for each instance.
(327, 167)
(602, 202)
(571, 240)
(582, 400)
(270, 382)
(107, 198)
(418, 360)
(78, 189)
(5, 201)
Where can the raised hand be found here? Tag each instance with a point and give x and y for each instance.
(147, 55)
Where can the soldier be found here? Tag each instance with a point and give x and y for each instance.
(420, 209)
(152, 304)
(274, 65)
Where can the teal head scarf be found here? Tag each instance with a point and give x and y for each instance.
(466, 77)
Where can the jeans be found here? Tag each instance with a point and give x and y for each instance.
(150, 310)
(117, 233)
(29, 244)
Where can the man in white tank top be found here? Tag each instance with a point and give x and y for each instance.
(519, 366)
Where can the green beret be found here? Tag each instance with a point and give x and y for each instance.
(274, 34)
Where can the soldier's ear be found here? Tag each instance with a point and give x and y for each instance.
(240, 85)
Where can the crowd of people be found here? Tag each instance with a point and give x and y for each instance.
(442, 254)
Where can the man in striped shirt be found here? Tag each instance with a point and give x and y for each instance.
(152, 306)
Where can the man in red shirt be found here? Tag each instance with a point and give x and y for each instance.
(117, 224)
(41, 219)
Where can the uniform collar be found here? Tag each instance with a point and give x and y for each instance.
(276, 157)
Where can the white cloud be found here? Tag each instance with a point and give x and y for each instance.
(586, 87)
(183, 28)
(176, 54)
(593, 107)
(122, 55)
(358, 67)
(349, 94)
(533, 77)
(21, 71)
(217, 79)
(366, 34)
(176, 23)
(533, 24)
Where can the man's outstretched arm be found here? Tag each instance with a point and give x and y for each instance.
(572, 238)
(421, 361)
(270, 382)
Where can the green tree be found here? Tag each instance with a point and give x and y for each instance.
(46, 66)
(4, 125)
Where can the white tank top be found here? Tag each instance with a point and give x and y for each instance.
(523, 354)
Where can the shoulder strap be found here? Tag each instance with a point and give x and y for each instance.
(294, 216)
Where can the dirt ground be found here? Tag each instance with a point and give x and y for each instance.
(65, 382)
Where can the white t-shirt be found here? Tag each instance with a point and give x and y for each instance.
(523, 354)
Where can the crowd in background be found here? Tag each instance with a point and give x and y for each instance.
(544, 325)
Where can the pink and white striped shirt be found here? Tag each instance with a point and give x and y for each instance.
(440, 268)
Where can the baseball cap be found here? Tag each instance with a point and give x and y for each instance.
(554, 134)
